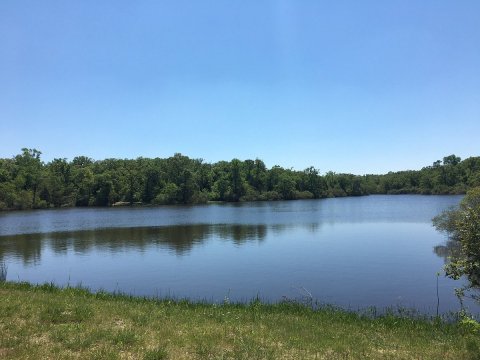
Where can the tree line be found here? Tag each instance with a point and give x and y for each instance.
(27, 182)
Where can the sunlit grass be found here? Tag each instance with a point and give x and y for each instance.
(40, 322)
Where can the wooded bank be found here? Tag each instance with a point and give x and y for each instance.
(27, 182)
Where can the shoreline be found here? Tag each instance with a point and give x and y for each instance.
(214, 202)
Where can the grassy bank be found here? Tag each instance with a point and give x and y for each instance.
(39, 322)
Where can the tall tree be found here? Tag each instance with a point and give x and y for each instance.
(58, 183)
(236, 178)
(30, 171)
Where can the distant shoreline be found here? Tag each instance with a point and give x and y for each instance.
(28, 183)
(212, 202)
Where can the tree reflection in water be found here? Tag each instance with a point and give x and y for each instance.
(179, 239)
(449, 250)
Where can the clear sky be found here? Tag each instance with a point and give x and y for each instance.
(348, 86)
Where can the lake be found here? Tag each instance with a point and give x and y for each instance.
(352, 252)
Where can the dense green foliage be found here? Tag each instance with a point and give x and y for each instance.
(27, 182)
(463, 226)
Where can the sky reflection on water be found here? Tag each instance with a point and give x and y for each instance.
(353, 252)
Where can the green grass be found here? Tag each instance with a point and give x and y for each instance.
(46, 322)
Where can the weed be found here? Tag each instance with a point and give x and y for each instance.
(124, 338)
(156, 354)
(3, 271)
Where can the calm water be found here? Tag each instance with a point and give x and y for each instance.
(354, 252)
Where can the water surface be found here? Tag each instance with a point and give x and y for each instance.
(353, 252)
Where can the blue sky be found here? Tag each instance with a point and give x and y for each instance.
(347, 86)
